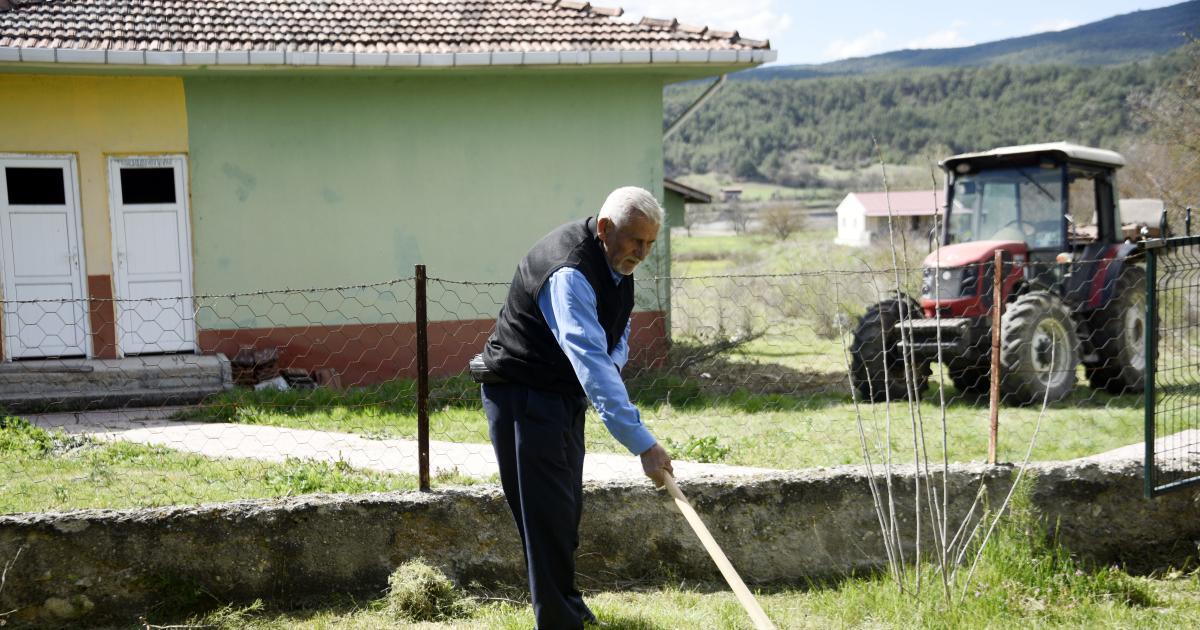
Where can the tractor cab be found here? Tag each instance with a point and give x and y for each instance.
(1070, 286)
(1034, 203)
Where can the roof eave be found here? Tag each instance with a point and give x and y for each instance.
(278, 58)
(687, 192)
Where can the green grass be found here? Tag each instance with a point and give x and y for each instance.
(805, 251)
(792, 427)
(1022, 580)
(43, 470)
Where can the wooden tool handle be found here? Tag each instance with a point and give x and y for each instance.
(761, 622)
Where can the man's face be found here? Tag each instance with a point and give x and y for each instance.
(626, 247)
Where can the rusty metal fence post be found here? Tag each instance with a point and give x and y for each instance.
(994, 397)
(422, 381)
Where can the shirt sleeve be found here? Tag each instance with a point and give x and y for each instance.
(620, 354)
(568, 303)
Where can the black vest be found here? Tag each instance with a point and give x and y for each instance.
(522, 348)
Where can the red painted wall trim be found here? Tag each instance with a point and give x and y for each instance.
(363, 354)
(102, 316)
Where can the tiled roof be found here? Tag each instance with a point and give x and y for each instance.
(350, 26)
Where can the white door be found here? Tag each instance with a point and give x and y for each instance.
(42, 258)
(152, 255)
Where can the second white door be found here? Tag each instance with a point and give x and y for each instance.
(152, 254)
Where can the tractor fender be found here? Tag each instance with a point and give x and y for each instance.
(1107, 271)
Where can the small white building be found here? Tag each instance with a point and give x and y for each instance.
(731, 193)
(863, 216)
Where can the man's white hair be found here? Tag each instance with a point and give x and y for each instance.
(624, 201)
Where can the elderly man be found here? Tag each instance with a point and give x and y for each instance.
(562, 337)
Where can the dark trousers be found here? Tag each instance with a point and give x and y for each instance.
(538, 437)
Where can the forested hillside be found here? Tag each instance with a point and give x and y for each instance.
(774, 130)
(1119, 39)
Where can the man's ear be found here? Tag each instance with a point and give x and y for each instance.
(604, 226)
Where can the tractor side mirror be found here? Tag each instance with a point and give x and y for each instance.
(931, 237)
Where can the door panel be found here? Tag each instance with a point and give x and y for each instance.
(42, 258)
(156, 249)
(42, 247)
(153, 277)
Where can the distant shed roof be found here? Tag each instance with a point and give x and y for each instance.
(909, 203)
(689, 194)
(465, 32)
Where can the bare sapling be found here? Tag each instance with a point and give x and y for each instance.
(953, 543)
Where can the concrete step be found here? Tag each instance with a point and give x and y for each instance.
(73, 384)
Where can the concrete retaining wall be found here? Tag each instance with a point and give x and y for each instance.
(96, 565)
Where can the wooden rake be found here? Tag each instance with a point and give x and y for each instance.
(745, 598)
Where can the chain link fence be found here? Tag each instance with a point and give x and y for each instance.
(322, 390)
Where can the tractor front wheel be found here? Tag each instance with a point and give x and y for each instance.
(1038, 349)
(972, 381)
(876, 358)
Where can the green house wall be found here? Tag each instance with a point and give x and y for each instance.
(334, 180)
(674, 204)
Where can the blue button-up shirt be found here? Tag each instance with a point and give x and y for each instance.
(568, 303)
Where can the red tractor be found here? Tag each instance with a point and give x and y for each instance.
(1072, 292)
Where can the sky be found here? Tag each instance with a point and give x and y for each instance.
(816, 31)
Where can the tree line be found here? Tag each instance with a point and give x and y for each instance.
(777, 130)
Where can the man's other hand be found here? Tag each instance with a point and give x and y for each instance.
(656, 463)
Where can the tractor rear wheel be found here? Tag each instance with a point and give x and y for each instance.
(1119, 336)
(876, 358)
(1038, 349)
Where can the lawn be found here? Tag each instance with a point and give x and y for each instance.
(814, 425)
(43, 471)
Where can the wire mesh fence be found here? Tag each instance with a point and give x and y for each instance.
(318, 390)
(1172, 456)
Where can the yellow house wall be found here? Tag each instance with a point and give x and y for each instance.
(93, 118)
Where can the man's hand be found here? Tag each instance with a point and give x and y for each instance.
(656, 463)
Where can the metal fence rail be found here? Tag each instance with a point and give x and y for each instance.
(1172, 459)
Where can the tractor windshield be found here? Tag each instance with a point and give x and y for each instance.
(1010, 204)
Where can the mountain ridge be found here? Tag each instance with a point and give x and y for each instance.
(1112, 41)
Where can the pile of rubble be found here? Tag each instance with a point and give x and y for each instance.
(259, 368)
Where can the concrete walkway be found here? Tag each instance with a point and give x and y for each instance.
(218, 439)
(1178, 448)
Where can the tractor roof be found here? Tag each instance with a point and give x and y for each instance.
(1062, 150)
